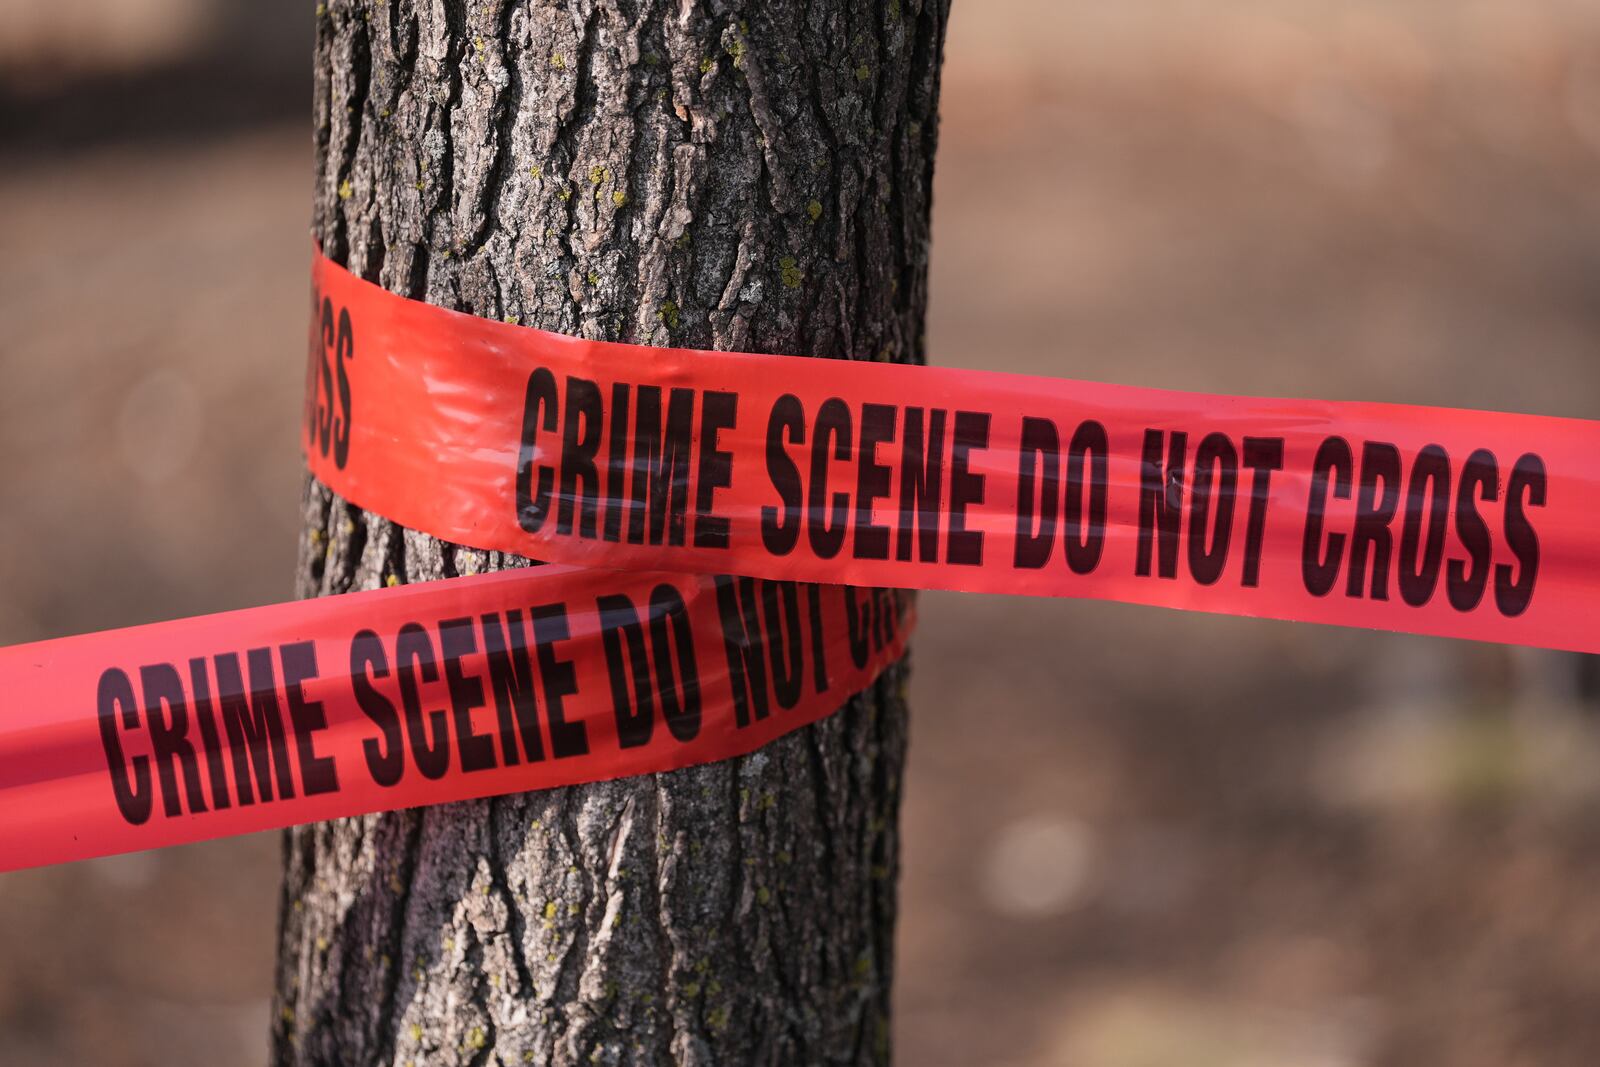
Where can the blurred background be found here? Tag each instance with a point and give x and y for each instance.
(1194, 841)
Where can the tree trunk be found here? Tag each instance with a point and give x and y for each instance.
(701, 173)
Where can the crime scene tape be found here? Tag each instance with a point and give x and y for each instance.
(1455, 523)
(523, 679)
(648, 475)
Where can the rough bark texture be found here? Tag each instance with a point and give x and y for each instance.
(750, 176)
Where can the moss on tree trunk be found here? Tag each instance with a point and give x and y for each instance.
(747, 176)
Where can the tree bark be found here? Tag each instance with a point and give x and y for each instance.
(701, 173)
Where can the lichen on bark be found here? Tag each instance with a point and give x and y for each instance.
(743, 176)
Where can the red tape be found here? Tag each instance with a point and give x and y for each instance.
(452, 690)
(1430, 520)
(644, 471)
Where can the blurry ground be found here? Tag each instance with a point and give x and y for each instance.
(1181, 840)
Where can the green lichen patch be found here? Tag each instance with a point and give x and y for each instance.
(789, 273)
